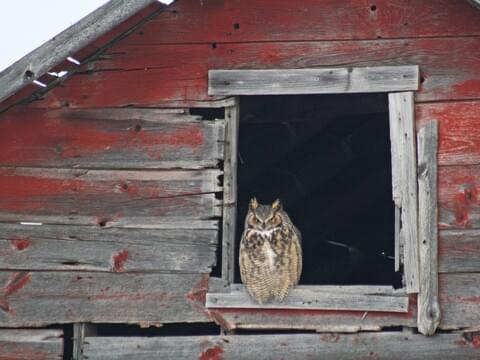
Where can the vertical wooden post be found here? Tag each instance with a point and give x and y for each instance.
(80, 330)
(428, 317)
(404, 180)
(232, 119)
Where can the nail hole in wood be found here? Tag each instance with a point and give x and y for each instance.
(214, 45)
(373, 8)
(29, 75)
(137, 128)
(236, 26)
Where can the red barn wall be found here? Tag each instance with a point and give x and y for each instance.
(165, 64)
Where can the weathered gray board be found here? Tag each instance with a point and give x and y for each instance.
(310, 299)
(232, 118)
(332, 80)
(459, 251)
(404, 180)
(59, 247)
(31, 299)
(110, 138)
(388, 345)
(31, 344)
(460, 301)
(428, 305)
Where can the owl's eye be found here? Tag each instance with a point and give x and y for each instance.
(275, 220)
(253, 220)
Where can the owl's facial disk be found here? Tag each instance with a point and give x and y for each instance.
(264, 217)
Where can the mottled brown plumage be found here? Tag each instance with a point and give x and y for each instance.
(270, 252)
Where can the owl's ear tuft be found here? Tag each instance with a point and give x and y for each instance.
(253, 204)
(277, 205)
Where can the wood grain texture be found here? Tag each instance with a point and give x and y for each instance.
(265, 20)
(31, 344)
(459, 251)
(448, 68)
(386, 345)
(58, 247)
(31, 299)
(459, 203)
(310, 299)
(109, 138)
(459, 133)
(428, 306)
(404, 160)
(313, 81)
(232, 117)
(138, 222)
(459, 301)
(318, 320)
(108, 194)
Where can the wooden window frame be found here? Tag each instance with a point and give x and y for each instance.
(399, 82)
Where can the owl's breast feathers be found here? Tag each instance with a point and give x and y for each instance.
(270, 261)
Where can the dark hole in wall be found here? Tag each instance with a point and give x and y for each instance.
(327, 157)
(174, 329)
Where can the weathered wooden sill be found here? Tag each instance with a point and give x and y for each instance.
(353, 298)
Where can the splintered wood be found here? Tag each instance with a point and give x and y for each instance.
(404, 179)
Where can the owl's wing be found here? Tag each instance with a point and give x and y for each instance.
(297, 261)
(244, 263)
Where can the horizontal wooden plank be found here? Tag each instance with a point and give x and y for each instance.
(109, 138)
(459, 251)
(253, 20)
(31, 299)
(459, 133)
(313, 81)
(108, 194)
(319, 320)
(310, 299)
(142, 222)
(459, 300)
(444, 77)
(31, 344)
(57, 247)
(459, 205)
(342, 289)
(384, 345)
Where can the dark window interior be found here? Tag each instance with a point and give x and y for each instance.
(327, 157)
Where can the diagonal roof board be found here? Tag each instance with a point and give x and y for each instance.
(35, 64)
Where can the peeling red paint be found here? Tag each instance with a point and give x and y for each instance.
(118, 261)
(469, 339)
(214, 353)
(199, 293)
(16, 282)
(470, 299)
(217, 317)
(468, 88)
(463, 203)
(33, 136)
(20, 244)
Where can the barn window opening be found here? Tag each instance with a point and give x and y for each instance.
(328, 158)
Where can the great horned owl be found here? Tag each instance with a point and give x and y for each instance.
(270, 252)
